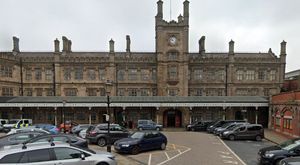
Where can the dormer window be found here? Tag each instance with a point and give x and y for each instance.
(173, 56)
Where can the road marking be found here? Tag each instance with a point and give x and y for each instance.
(149, 161)
(179, 151)
(174, 157)
(230, 162)
(233, 152)
(224, 156)
(167, 155)
(225, 153)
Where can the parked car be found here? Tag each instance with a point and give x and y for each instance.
(199, 126)
(48, 127)
(248, 131)
(148, 125)
(54, 153)
(99, 134)
(66, 138)
(231, 128)
(27, 129)
(18, 138)
(273, 154)
(82, 133)
(227, 126)
(290, 161)
(220, 123)
(2, 122)
(76, 129)
(141, 141)
(67, 126)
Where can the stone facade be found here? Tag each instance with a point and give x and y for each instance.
(169, 71)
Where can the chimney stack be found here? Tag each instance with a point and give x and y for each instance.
(283, 48)
(56, 45)
(67, 44)
(231, 47)
(202, 45)
(159, 9)
(111, 46)
(127, 43)
(16, 44)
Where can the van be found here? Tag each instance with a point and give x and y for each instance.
(245, 132)
(2, 122)
(17, 123)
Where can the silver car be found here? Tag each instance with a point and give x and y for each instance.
(46, 153)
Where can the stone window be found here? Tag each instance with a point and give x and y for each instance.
(246, 91)
(132, 74)
(239, 75)
(49, 74)
(211, 75)
(211, 92)
(145, 92)
(6, 71)
(91, 91)
(28, 74)
(154, 91)
(173, 92)
(250, 75)
(102, 74)
(220, 92)
(221, 75)
(198, 74)
(198, 92)
(262, 75)
(91, 74)
(132, 92)
(273, 75)
(7, 91)
(173, 56)
(39, 91)
(154, 74)
(78, 73)
(145, 74)
(67, 73)
(121, 75)
(70, 92)
(266, 92)
(102, 92)
(28, 92)
(172, 73)
(121, 92)
(49, 92)
(38, 73)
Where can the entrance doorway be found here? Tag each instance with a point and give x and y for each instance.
(172, 118)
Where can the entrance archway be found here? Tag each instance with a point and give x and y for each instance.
(172, 118)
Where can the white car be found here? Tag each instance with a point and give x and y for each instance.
(45, 153)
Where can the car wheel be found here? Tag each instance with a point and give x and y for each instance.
(277, 162)
(258, 138)
(135, 150)
(163, 146)
(231, 137)
(141, 129)
(102, 163)
(157, 129)
(101, 142)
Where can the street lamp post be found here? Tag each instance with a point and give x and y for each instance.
(63, 115)
(108, 84)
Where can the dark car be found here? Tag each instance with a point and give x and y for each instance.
(198, 126)
(141, 141)
(225, 127)
(76, 129)
(148, 125)
(67, 138)
(220, 123)
(245, 132)
(18, 138)
(99, 135)
(273, 154)
(290, 161)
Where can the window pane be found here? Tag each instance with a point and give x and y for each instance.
(36, 156)
(66, 153)
(12, 158)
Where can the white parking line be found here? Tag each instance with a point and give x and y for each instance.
(149, 161)
(167, 155)
(174, 157)
(179, 151)
(233, 154)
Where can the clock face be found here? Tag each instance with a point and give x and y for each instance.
(172, 40)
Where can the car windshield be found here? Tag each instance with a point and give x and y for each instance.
(234, 127)
(137, 135)
(290, 144)
(13, 121)
(226, 125)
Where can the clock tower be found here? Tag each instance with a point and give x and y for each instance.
(172, 45)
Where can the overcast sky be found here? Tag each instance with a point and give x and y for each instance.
(254, 25)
